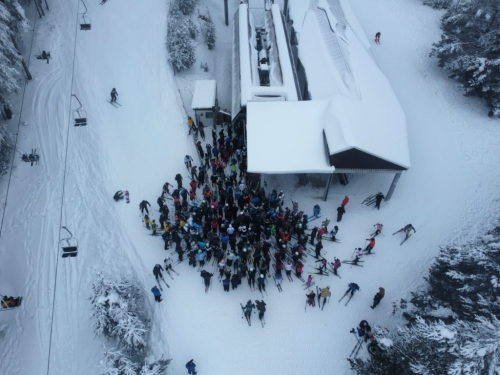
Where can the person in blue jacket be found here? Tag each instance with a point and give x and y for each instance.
(316, 210)
(224, 238)
(191, 367)
(156, 293)
(201, 257)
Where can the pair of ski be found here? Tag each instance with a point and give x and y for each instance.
(310, 285)
(359, 344)
(346, 295)
(351, 262)
(402, 242)
(114, 104)
(247, 317)
(319, 299)
(312, 218)
(329, 239)
(159, 284)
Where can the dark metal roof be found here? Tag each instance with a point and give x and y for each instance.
(356, 159)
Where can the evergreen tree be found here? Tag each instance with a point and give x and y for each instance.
(208, 32)
(439, 4)
(470, 50)
(186, 6)
(115, 362)
(181, 49)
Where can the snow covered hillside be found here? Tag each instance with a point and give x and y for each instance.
(449, 194)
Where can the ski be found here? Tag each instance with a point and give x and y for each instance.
(313, 218)
(112, 103)
(342, 297)
(168, 286)
(348, 300)
(127, 196)
(300, 278)
(308, 286)
(158, 282)
(329, 239)
(169, 274)
(367, 199)
(405, 239)
(368, 253)
(358, 345)
(290, 278)
(397, 232)
(173, 271)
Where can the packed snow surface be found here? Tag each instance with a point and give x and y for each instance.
(449, 194)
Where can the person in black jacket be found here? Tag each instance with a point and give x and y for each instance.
(118, 195)
(178, 178)
(340, 212)
(144, 206)
(378, 199)
(261, 306)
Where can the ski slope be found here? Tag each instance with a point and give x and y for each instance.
(448, 195)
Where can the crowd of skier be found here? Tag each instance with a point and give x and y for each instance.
(228, 228)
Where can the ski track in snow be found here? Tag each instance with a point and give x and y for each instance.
(448, 194)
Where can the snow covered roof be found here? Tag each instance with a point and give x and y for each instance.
(365, 114)
(205, 92)
(287, 137)
(245, 60)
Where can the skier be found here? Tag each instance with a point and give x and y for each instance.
(153, 227)
(340, 212)
(311, 298)
(191, 367)
(118, 195)
(288, 268)
(325, 224)
(187, 160)
(114, 94)
(378, 297)
(378, 200)
(370, 245)
(144, 206)
(309, 280)
(352, 288)
(261, 306)
(377, 37)
(359, 253)
(278, 279)
(247, 310)
(168, 263)
(261, 281)
(324, 293)
(222, 267)
(336, 264)
(334, 232)
(345, 201)
(251, 277)
(364, 330)
(207, 277)
(46, 56)
(313, 235)
(295, 207)
(146, 221)
(157, 271)
(201, 128)
(201, 255)
(316, 210)
(178, 178)
(156, 293)
(407, 229)
(225, 284)
(317, 249)
(298, 269)
(378, 230)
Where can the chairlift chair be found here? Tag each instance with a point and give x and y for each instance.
(4, 303)
(70, 247)
(84, 20)
(79, 115)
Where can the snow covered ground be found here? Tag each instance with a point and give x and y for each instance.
(448, 195)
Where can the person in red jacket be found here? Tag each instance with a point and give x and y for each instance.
(371, 244)
(345, 201)
(298, 269)
(193, 185)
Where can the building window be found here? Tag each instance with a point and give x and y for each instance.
(209, 115)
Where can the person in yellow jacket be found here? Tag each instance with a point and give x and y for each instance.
(323, 293)
(166, 227)
(146, 221)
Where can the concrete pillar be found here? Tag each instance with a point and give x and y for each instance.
(393, 186)
(327, 187)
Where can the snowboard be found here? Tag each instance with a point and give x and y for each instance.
(127, 196)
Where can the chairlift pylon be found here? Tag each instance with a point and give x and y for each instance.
(84, 20)
(70, 248)
(79, 115)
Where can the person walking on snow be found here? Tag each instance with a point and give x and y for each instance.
(157, 271)
(309, 280)
(345, 201)
(377, 37)
(247, 310)
(340, 213)
(207, 277)
(144, 206)
(178, 178)
(261, 306)
(191, 367)
(324, 293)
(378, 200)
(371, 245)
(188, 160)
(336, 264)
(114, 94)
(156, 293)
(378, 297)
(261, 281)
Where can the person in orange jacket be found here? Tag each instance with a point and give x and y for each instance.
(371, 244)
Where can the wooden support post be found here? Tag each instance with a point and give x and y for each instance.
(327, 187)
(38, 8)
(393, 186)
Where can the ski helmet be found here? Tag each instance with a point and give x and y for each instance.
(336, 227)
(251, 269)
(199, 251)
(312, 276)
(296, 253)
(311, 292)
(328, 287)
(168, 258)
(261, 275)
